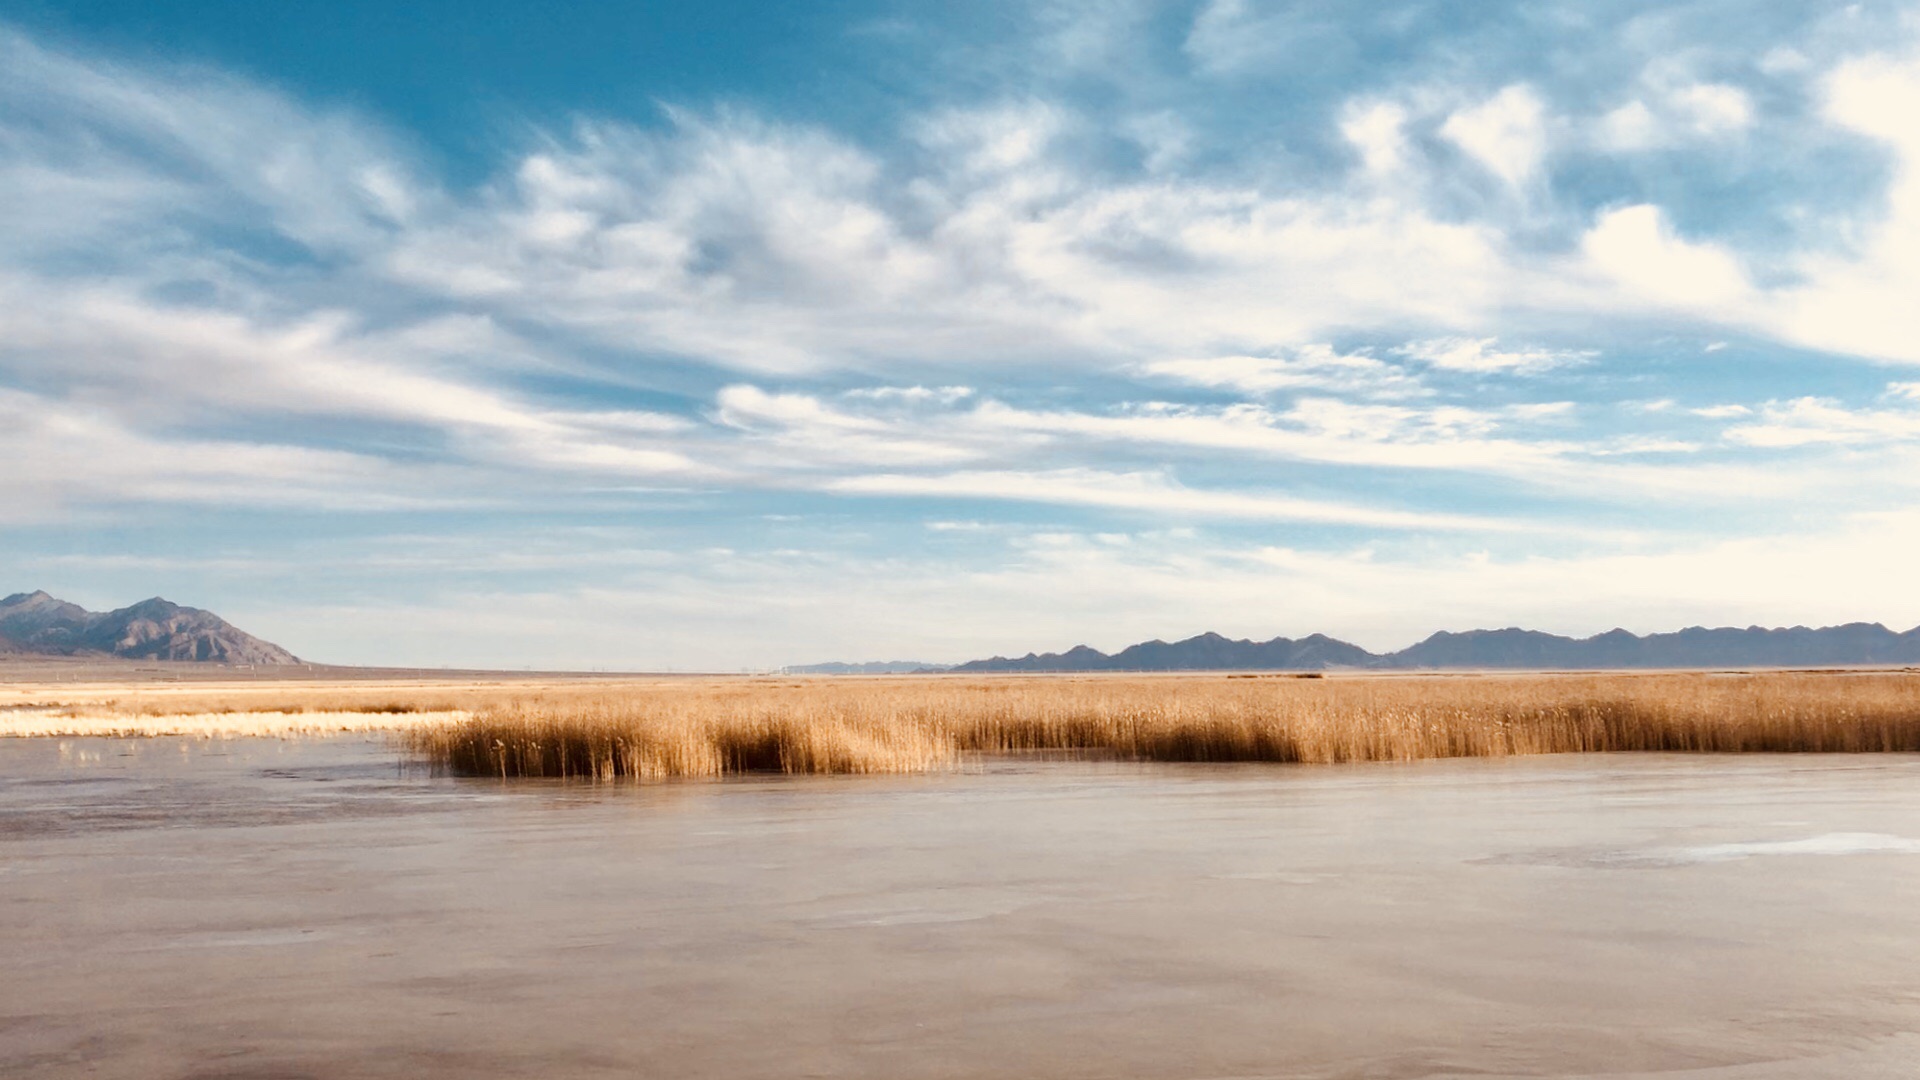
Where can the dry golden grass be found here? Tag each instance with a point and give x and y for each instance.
(225, 724)
(273, 708)
(646, 728)
(170, 699)
(918, 724)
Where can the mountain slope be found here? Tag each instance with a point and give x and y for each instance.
(154, 629)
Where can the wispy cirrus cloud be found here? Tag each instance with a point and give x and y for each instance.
(1154, 494)
(1484, 355)
(1310, 367)
(1811, 421)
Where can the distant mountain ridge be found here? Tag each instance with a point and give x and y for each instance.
(1508, 649)
(871, 667)
(38, 624)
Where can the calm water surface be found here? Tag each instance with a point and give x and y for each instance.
(262, 909)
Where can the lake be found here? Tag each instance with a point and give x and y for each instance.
(314, 909)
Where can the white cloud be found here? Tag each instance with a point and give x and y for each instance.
(1507, 134)
(806, 433)
(1319, 429)
(1482, 356)
(1849, 299)
(167, 364)
(1630, 127)
(1722, 412)
(776, 248)
(1637, 249)
(770, 249)
(1862, 303)
(944, 395)
(130, 147)
(1538, 411)
(985, 141)
(1377, 130)
(1446, 437)
(1630, 445)
(1310, 367)
(1675, 113)
(1811, 421)
(1875, 95)
(1713, 109)
(77, 458)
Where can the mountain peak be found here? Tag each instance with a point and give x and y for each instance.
(153, 629)
(155, 606)
(37, 596)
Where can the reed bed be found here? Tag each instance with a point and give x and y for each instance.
(907, 725)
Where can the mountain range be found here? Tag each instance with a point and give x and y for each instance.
(156, 629)
(1512, 648)
(871, 667)
(37, 624)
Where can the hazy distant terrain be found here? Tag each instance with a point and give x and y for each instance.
(37, 624)
(872, 667)
(1510, 649)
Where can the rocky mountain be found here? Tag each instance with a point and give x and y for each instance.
(1509, 649)
(155, 629)
(1207, 652)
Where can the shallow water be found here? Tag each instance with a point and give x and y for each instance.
(264, 909)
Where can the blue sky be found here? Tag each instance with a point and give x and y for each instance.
(731, 335)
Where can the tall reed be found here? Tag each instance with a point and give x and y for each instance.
(920, 724)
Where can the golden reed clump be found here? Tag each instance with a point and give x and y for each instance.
(917, 724)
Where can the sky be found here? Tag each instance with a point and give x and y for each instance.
(731, 335)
